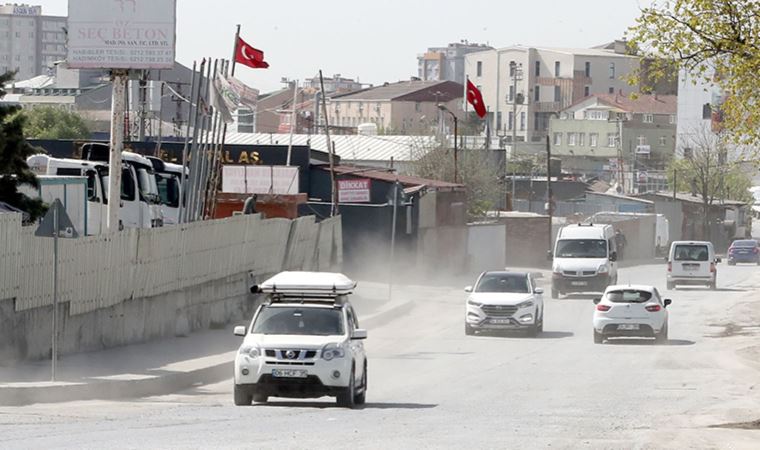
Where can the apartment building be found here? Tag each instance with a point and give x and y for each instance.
(543, 82)
(446, 63)
(30, 42)
(405, 107)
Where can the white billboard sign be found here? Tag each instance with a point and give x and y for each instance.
(354, 190)
(122, 34)
(280, 180)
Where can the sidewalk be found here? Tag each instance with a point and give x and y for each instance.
(160, 367)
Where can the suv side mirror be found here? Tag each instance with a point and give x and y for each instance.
(359, 334)
(468, 289)
(597, 300)
(239, 331)
(613, 256)
(668, 302)
(549, 255)
(538, 291)
(718, 260)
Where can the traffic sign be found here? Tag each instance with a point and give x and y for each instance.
(52, 226)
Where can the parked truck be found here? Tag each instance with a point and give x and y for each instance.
(140, 204)
(170, 182)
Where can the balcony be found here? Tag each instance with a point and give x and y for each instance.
(544, 107)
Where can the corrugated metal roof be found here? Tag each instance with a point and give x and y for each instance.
(389, 91)
(406, 180)
(347, 147)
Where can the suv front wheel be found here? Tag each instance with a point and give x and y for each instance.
(242, 396)
(347, 398)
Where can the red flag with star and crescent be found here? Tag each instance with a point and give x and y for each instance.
(249, 56)
(475, 98)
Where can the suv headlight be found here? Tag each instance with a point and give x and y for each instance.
(603, 268)
(472, 302)
(250, 350)
(332, 351)
(525, 304)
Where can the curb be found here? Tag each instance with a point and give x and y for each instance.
(31, 393)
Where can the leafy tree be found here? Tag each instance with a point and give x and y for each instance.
(715, 40)
(49, 122)
(475, 170)
(706, 172)
(13, 153)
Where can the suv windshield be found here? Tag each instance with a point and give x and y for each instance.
(691, 253)
(629, 296)
(503, 283)
(582, 248)
(299, 321)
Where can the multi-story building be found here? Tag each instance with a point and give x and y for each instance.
(616, 137)
(335, 84)
(446, 63)
(30, 43)
(544, 81)
(406, 107)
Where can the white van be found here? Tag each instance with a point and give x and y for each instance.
(584, 259)
(692, 263)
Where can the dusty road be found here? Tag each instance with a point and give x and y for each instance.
(432, 387)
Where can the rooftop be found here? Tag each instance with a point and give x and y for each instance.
(696, 199)
(381, 175)
(397, 91)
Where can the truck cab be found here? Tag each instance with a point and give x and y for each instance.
(584, 259)
(170, 182)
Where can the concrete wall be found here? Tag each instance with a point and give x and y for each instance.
(138, 285)
(527, 241)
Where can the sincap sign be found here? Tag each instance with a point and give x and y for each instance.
(121, 34)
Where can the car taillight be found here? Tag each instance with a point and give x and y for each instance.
(670, 266)
(653, 308)
(731, 250)
(603, 308)
(755, 250)
(712, 267)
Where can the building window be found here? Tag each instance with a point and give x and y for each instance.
(672, 119)
(593, 139)
(588, 69)
(612, 90)
(417, 107)
(596, 115)
(642, 140)
(511, 120)
(586, 91)
(707, 111)
(612, 140)
(557, 138)
(480, 68)
(498, 121)
(18, 35)
(511, 94)
(571, 139)
(512, 67)
(537, 122)
(536, 94)
(538, 68)
(612, 71)
(522, 121)
(648, 118)
(581, 139)
(557, 94)
(556, 69)
(663, 141)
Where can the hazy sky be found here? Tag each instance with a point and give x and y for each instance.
(378, 41)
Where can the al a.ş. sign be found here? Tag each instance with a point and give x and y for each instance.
(121, 34)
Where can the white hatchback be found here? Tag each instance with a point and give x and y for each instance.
(631, 311)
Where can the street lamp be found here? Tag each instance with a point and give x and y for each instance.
(456, 162)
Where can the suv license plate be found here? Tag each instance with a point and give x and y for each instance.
(579, 283)
(629, 327)
(289, 373)
(500, 321)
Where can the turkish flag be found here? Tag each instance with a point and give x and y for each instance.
(475, 98)
(249, 56)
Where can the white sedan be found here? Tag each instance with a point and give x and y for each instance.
(631, 311)
(504, 301)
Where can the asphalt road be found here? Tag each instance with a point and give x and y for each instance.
(432, 387)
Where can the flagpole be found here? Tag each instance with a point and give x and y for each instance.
(234, 51)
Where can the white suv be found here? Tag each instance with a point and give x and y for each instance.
(305, 342)
(504, 301)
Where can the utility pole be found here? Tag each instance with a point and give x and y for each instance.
(330, 149)
(516, 72)
(549, 206)
(118, 101)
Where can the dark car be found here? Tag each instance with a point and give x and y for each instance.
(744, 251)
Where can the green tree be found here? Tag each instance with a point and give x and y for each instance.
(715, 40)
(475, 170)
(13, 153)
(707, 172)
(49, 122)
